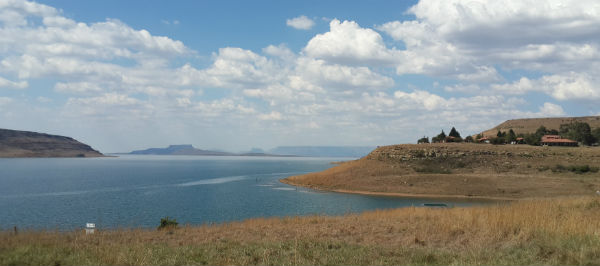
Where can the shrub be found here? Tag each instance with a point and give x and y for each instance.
(578, 169)
(423, 140)
(167, 223)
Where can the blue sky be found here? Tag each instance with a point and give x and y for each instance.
(232, 75)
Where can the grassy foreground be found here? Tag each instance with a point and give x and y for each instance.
(555, 231)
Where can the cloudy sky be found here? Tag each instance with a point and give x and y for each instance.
(231, 75)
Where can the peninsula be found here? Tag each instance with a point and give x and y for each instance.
(464, 170)
(15, 143)
(452, 167)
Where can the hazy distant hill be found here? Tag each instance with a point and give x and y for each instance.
(323, 151)
(15, 143)
(181, 150)
(529, 125)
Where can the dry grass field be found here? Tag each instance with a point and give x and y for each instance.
(464, 170)
(558, 231)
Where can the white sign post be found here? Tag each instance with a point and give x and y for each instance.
(89, 228)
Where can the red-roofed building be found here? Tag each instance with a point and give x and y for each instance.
(484, 139)
(556, 140)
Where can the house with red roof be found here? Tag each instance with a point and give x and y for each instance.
(556, 140)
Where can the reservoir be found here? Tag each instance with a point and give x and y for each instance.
(138, 190)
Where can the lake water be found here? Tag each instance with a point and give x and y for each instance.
(136, 191)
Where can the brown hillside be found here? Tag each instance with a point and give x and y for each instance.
(464, 170)
(530, 125)
(14, 143)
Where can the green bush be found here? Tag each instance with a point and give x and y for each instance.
(167, 223)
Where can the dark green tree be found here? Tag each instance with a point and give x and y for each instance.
(454, 133)
(501, 134)
(578, 131)
(469, 139)
(511, 136)
(596, 134)
(541, 131)
(439, 138)
(532, 139)
(536, 138)
(424, 139)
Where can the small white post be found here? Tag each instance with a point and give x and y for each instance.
(89, 228)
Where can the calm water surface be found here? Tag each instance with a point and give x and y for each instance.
(136, 191)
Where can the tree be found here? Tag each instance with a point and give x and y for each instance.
(596, 134)
(423, 140)
(536, 138)
(578, 131)
(454, 133)
(532, 139)
(511, 136)
(469, 139)
(501, 134)
(541, 131)
(439, 138)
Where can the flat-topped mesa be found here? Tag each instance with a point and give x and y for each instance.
(15, 143)
(530, 125)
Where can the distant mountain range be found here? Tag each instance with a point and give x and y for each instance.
(181, 150)
(283, 151)
(190, 150)
(324, 151)
(15, 143)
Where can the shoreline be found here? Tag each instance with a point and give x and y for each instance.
(404, 195)
(462, 171)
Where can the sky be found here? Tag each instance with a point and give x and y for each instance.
(233, 75)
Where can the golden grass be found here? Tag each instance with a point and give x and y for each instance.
(542, 231)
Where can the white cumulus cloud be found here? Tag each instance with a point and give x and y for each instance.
(300, 23)
(347, 42)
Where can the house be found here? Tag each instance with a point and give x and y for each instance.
(556, 140)
(484, 140)
(519, 141)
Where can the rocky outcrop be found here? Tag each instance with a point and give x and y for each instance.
(433, 151)
(15, 143)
